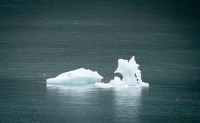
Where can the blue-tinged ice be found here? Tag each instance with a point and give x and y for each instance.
(76, 77)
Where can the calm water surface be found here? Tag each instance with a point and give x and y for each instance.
(42, 39)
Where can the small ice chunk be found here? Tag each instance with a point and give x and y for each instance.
(76, 77)
(116, 83)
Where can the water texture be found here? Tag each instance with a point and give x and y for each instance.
(41, 39)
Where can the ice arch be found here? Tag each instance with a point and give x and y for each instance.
(131, 75)
(130, 72)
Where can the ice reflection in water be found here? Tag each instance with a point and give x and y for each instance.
(95, 104)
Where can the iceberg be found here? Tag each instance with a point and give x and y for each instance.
(76, 77)
(130, 72)
(128, 69)
(131, 75)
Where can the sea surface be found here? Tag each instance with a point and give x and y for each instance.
(41, 39)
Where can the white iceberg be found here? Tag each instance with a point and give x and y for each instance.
(129, 70)
(76, 77)
(131, 75)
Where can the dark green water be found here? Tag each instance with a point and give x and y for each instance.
(41, 39)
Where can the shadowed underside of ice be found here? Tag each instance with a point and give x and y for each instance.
(76, 77)
(131, 75)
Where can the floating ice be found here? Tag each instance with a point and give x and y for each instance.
(116, 82)
(76, 77)
(130, 72)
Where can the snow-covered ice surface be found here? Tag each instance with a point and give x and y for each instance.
(76, 77)
(131, 75)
